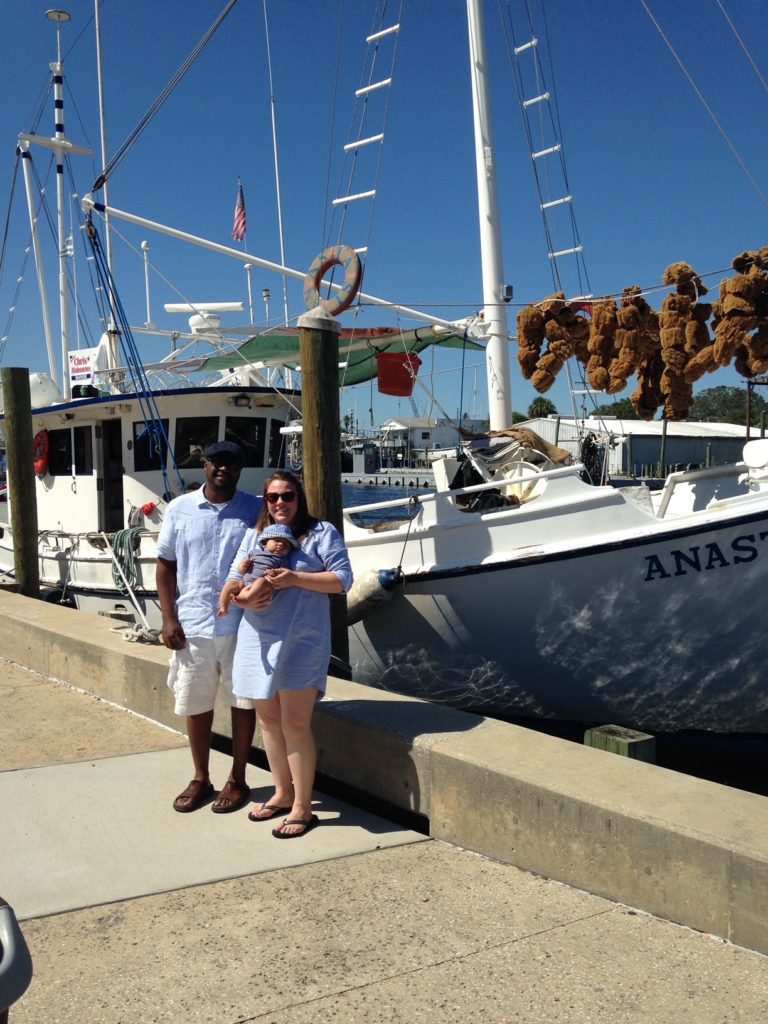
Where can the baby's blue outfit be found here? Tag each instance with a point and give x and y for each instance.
(262, 561)
(287, 645)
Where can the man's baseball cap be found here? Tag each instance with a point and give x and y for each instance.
(234, 451)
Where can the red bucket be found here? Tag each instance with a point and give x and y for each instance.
(397, 372)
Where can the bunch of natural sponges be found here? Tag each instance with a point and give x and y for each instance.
(566, 333)
(668, 351)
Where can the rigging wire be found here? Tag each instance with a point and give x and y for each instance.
(278, 192)
(155, 107)
(713, 117)
(361, 113)
(331, 133)
(548, 133)
(742, 44)
(153, 421)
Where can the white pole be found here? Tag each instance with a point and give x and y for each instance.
(58, 98)
(145, 253)
(495, 311)
(26, 166)
(248, 267)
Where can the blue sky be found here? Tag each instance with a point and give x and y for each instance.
(653, 181)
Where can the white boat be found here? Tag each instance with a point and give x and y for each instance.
(526, 592)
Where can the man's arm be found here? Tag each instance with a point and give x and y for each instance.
(165, 576)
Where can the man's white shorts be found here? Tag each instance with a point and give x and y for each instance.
(196, 671)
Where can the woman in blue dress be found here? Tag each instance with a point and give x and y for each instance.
(284, 645)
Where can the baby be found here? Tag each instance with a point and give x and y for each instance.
(274, 546)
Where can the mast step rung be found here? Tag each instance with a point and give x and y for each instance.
(536, 99)
(376, 85)
(526, 46)
(557, 202)
(566, 252)
(364, 142)
(351, 199)
(546, 152)
(362, 250)
(384, 32)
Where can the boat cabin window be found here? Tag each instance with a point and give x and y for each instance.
(61, 447)
(150, 448)
(83, 451)
(250, 432)
(193, 435)
(277, 446)
(60, 452)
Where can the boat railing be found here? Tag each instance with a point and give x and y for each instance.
(452, 493)
(687, 476)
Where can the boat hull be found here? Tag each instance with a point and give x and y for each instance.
(660, 634)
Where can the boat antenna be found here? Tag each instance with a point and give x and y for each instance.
(59, 17)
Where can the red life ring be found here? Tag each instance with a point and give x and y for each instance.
(41, 447)
(336, 255)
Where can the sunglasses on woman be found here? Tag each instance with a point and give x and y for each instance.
(272, 497)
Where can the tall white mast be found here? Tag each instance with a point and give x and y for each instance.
(26, 166)
(495, 310)
(58, 100)
(60, 145)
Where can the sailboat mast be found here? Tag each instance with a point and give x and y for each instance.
(26, 166)
(59, 138)
(59, 145)
(495, 310)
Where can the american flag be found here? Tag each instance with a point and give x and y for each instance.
(238, 228)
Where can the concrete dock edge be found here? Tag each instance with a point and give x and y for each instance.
(690, 851)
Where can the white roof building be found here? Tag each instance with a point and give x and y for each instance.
(634, 447)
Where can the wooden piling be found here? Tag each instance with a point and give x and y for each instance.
(21, 479)
(618, 740)
(321, 439)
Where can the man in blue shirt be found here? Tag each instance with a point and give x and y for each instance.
(198, 541)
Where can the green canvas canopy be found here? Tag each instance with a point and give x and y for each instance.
(358, 348)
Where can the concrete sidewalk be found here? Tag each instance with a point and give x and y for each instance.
(135, 913)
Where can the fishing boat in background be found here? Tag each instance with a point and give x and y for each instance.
(517, 586)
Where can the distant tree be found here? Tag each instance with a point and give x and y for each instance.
(727, 405)
(622, 408)
(518, 417)
(541, 408)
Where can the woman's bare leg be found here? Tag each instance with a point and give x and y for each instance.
(296, 708)
(270, 721)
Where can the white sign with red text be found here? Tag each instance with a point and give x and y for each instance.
(81, 366)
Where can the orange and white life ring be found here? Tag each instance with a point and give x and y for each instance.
(341, 256)
(41, 447)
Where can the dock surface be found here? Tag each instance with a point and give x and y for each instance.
(133, 912)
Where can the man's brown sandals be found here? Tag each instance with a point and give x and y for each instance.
(195, 795)
(233, 796)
